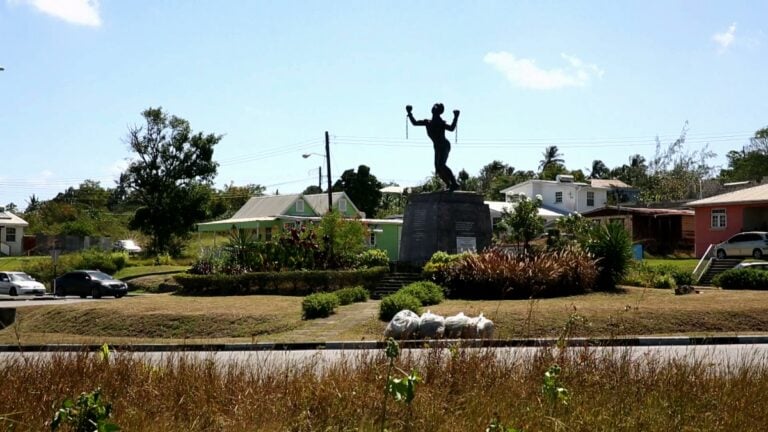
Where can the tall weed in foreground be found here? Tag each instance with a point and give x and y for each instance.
(460, 390)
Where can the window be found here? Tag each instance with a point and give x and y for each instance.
(268, 233)
(590, 199)
(558, 197)
(300, 206)
(342, 205)
(10, 234)
(513, 198)
(718, 219)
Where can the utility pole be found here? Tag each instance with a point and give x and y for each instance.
(320, 177)
(328, 168)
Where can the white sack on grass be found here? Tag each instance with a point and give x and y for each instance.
(470, 329)
(484, 327)
(432, 326)
(403, 325)
(454, 325)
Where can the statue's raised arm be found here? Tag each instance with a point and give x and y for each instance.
(409, 110)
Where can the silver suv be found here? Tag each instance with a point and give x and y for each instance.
(752, 243)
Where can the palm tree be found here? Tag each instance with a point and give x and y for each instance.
(599, 170)
(551, 156)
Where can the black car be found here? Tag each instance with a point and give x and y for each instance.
(89, 283)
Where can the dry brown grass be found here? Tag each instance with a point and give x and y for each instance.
(157, 317)
(461, 391)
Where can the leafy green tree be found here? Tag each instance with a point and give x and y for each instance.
(169, 176)
(11, 207)
(343, 239)
(312, 190)
(362, 187)
(751, 163)
(523, 223)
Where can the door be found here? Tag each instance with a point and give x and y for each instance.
(736, 245)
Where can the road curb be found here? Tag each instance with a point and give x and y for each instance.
(408, 344)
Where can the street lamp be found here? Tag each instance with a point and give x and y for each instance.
(327, 157)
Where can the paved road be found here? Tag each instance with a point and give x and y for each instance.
(722, 356)
(7, 301)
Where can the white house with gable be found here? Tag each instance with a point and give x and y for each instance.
(11, 233)
(562, 195)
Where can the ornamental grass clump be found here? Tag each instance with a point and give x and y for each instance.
(497, 274)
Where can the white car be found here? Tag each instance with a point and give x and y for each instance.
(20, 283)
(129, 246)
(756, 265)
(752, 243)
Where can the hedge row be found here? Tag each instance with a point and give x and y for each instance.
(298, 283)
(747, 279)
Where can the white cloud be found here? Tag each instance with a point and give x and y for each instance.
(527, 74)
(80, 12)
(724, 40)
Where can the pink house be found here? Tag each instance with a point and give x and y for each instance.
(719, 217)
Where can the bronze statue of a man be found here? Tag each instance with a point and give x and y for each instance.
(436, 128)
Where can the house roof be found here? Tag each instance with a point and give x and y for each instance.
(753, 195)
(9, 219)
(498, 207)
(393, 189)
(638, 210)
(609, 183)
(319, 202)
(554, 182)
(265, 206)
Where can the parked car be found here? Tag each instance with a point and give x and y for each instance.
(757, 265)
(20, 283)
(752, 243)
(129, 246)
(89, 283)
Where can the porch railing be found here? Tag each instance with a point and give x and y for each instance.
(704, 263)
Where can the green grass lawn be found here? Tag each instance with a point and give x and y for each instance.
(132, 272)
(682, 264)
(16, 263)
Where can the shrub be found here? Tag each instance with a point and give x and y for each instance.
(392, 304)
(750, 279)
(352, 295)
(612, 246)
(436, 268)
(319, 305)
(372, 258)
(663, 281)
(428, 293)
(284, 283)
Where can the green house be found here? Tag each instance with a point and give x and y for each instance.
(264, 216)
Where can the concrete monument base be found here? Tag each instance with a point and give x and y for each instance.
(451, 222)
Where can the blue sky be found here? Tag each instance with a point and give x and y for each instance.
(598, 79)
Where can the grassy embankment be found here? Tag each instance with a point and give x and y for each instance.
(165, 317)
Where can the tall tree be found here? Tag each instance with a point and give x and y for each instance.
(362, 187)
(168, 177)
(599, 170)
(751, 162)
(675, 173)
(551, 155)
(552, 163)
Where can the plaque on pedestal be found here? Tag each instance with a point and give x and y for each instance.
(451, 222)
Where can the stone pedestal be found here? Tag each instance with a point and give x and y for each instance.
(451, 222)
